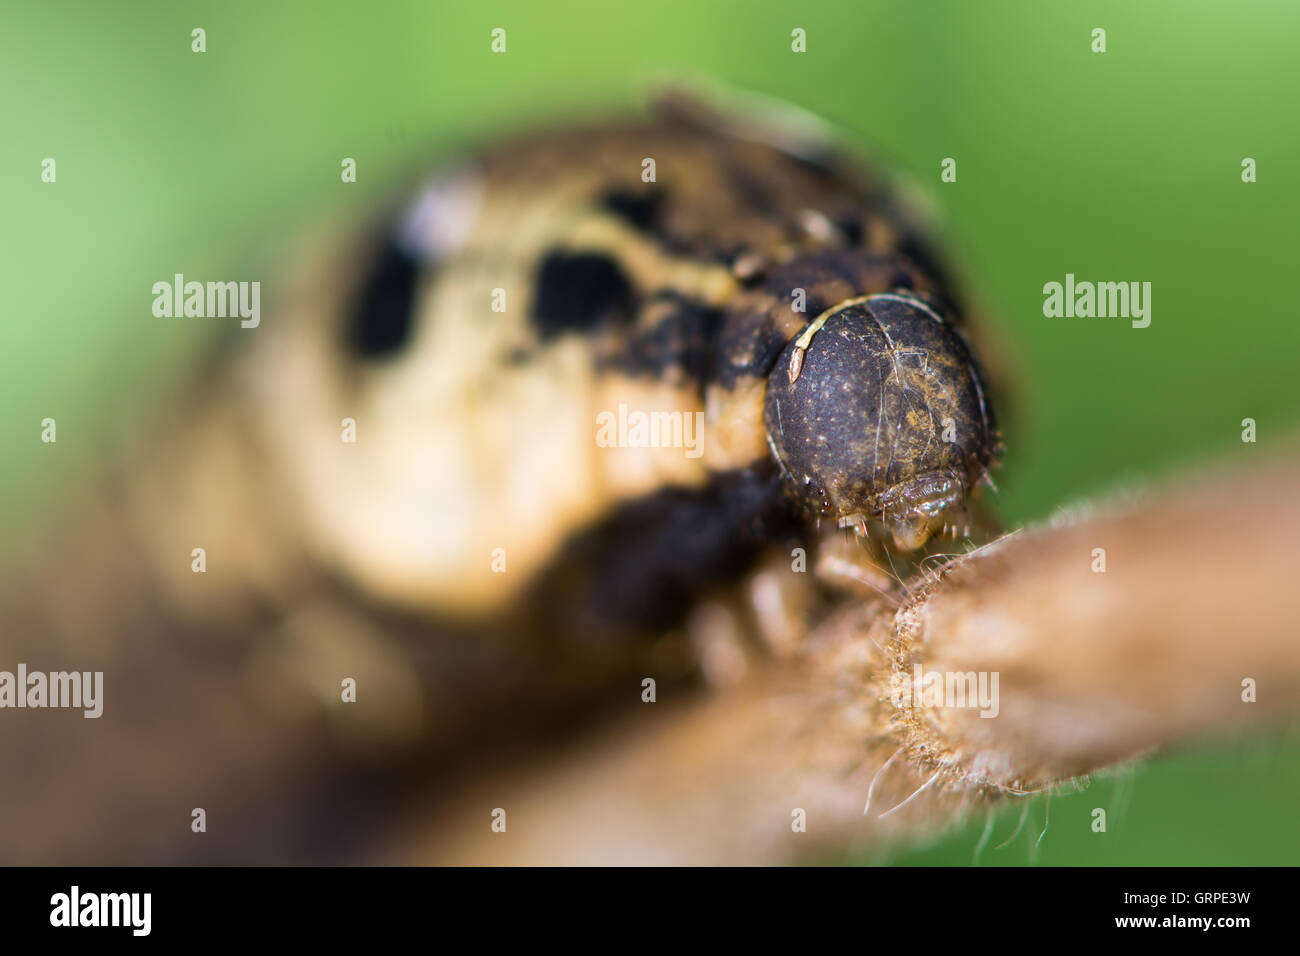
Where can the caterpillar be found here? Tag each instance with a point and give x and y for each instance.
(405, 475)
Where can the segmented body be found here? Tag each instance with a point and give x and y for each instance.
(477, 557)
(654, 269)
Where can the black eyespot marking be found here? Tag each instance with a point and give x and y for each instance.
(381, 315)
(639, 209)
(579, 291)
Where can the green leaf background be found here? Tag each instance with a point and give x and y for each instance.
(1117, 166)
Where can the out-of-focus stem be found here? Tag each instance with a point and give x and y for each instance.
(1197, 601)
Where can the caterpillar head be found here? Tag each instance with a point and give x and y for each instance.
(877, 410)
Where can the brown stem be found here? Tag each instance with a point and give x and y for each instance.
(1094, 667)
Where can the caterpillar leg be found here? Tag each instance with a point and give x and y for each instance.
(763, 618)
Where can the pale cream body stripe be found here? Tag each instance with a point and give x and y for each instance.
(459, 453)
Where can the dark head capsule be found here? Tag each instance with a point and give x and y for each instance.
(877, 410)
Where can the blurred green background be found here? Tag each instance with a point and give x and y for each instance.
(1117, 166)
